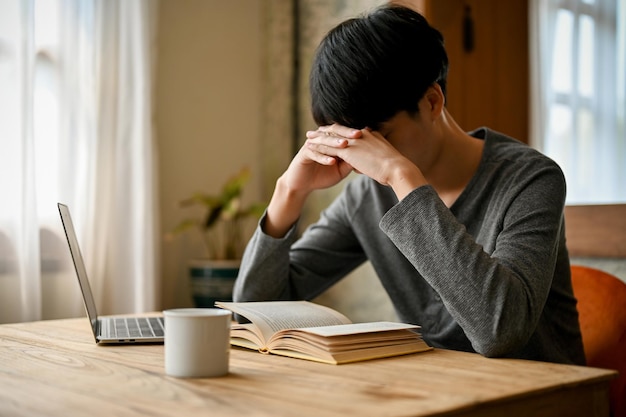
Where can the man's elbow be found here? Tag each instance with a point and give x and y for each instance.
(497, 346)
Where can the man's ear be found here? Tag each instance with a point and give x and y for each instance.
(436, 100)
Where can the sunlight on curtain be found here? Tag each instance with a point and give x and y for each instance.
(75, 127)
(19, 237)
(578, 50)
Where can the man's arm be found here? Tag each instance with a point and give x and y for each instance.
(286, 269)
(311, 169)
(496, 298)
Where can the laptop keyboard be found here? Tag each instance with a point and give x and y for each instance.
(124, 328)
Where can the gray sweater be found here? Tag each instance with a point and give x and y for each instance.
(489, 274)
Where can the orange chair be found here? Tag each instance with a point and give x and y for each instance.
(602, 314)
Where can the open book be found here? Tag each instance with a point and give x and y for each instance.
(304, 330)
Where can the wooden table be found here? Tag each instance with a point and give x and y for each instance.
(54, 368)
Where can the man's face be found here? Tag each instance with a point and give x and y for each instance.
(403, 131)
(414, 134)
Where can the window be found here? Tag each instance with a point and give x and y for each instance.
(75, 109)
(579, 98)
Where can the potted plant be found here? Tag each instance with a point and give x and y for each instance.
(220, 226)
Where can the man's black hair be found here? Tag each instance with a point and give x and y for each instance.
(368, 69)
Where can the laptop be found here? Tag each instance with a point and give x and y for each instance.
(113, 330)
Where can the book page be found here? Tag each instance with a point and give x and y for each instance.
(353, 329)
(346, 336)
(355, 355)
(273, 316)
(248, 332)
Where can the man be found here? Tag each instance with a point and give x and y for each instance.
(465, 231)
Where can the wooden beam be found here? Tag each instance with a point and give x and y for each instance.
(596, 230)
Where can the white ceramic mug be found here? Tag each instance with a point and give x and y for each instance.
(197, 342)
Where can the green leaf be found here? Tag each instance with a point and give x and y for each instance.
(212, 216)
(254, 210)
(184, 225)
(201, 199)
(233, 187)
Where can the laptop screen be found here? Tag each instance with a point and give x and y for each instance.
(79, 265)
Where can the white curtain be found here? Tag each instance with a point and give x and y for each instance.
(75, 127)
(578, 93)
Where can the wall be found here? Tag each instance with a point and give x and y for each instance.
(207, 115)
(487, 85)
(596, 237)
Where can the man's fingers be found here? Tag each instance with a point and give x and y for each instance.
(315, 153)
(327, 146)
(324, 142)
(337, 130)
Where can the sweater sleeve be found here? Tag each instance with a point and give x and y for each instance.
(497, 298)
(299, 269)
(264, 270)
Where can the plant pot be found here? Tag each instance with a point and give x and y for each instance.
(212, 281)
